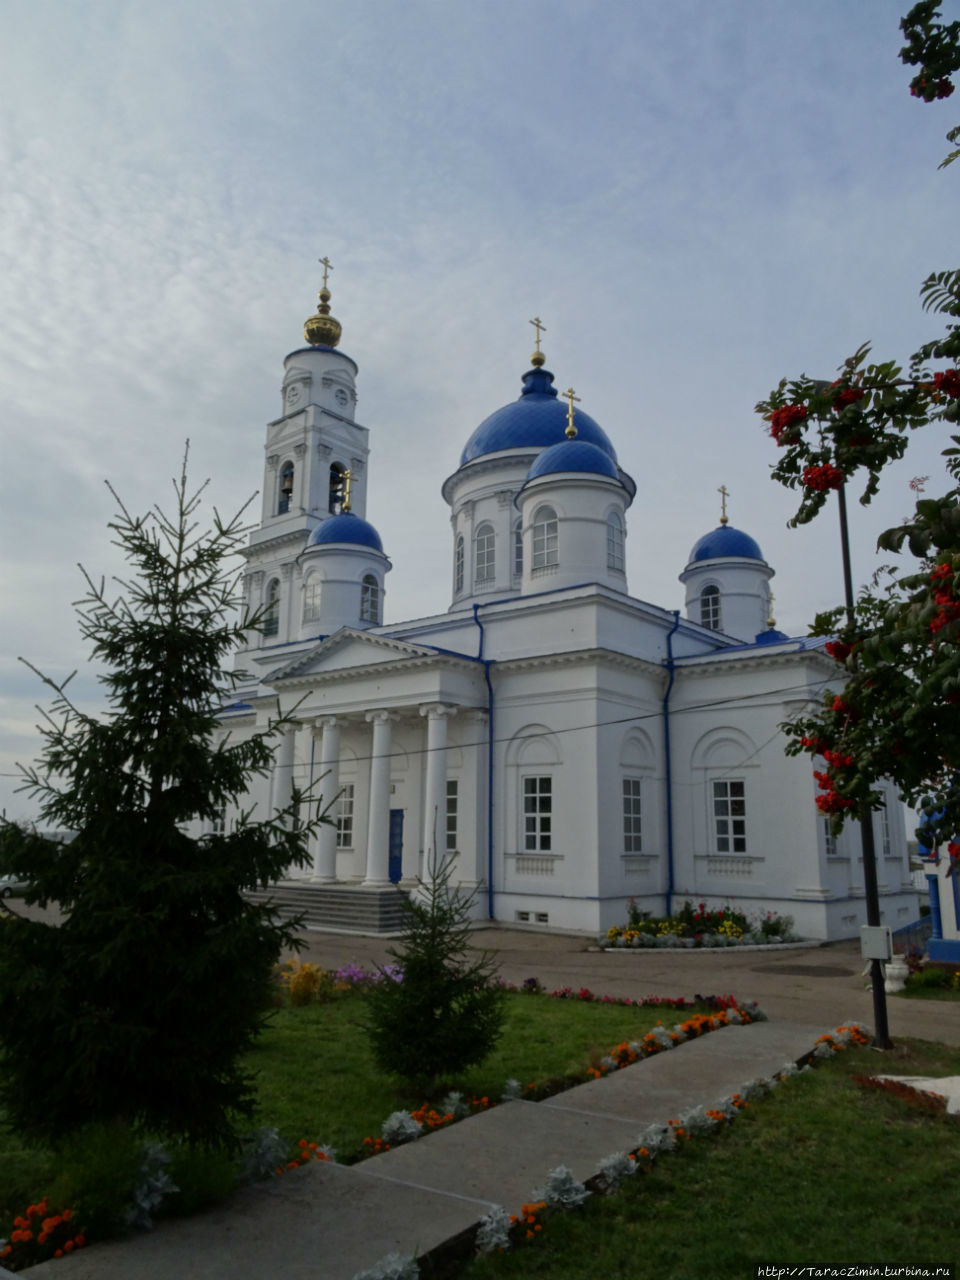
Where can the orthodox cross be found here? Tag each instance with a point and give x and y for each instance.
(724, 495)
(347, 477)
(327, 266)
(571, 429)
(540, 328)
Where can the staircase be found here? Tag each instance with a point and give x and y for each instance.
(337, 908)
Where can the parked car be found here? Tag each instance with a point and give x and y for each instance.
(11, 887)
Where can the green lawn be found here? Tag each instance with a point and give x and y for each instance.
(819, 1172)
(316, 1079)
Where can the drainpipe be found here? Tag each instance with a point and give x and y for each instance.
(666, 748)
(486, 675)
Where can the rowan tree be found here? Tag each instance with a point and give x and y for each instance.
(897, 715)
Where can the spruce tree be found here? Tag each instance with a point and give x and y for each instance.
(138, 1007)
(440, 1010)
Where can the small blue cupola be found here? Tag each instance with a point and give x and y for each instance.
(342, 570)
(727, 582)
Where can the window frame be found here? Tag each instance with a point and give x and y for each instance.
(370, 599)
(458, 564)
(733, 796)
(485, 554)
(632, 813)
(271, 601)
(345, 815)
(312, 591)
(545, 540)
(616, 548)
(536, 813)
(451, 814)
(711, 616)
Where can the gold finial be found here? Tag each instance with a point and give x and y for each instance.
(323, 330)
(724, 495)
(771, 620)
(538, 358)
(347, 477)
(571, 430)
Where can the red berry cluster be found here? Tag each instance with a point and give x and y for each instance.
(948, 381)
(823, 477)
(838, 650)
(945, 596)
(849, 395)
(941, 88)
(781, 420)
(843, 708)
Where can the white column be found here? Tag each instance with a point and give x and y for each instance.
(325, 855)
(281, 791)
(435, 789)
(378, 823)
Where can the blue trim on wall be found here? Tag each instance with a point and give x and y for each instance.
(934, 888)
(666, 750)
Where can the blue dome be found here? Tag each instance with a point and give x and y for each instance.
(726, 541)
(346, 528)
(771, 636)
(573, 455)
(534, 421)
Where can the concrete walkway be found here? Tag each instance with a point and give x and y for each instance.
(330, 1221)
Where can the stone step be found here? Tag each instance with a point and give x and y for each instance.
(346, 908)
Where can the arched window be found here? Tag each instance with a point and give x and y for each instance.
(615, 541)
(335, 503)
(311, 600)
(271, 616)
(518, 550)
(458, 565)
(369, 599)
(485, 558)
(285, 495)
(710, 608)
(545, 545)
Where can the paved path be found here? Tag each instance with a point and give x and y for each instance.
(330, 1221)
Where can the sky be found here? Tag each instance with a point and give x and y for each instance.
(698, 199)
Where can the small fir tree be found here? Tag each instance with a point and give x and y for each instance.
(444, 1011)
(140, 1004)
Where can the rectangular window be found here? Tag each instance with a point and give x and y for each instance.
(632, 842)
(452, 798)
(546, 544)
(486, 554)
(829, 839)
(538, 815)
(345, 818)
(311, 601)
(518, 552)
(885, 844)
(729, 817)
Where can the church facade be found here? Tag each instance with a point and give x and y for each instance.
(568, 746)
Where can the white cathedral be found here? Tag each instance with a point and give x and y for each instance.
(568, 746)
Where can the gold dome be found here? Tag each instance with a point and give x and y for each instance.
(323, 330)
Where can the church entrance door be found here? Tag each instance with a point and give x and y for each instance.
(396, 845)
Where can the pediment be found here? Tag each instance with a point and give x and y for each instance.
(346, 650)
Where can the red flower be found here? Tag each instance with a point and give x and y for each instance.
(941, 572)
(844, 708)
(837, 761)
(837, 649)
(815, 745)
(823, 478)
(781, 420)
(948, 381)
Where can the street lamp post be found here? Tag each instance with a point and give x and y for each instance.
(881, 1038)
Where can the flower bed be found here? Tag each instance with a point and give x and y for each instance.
(700, 927)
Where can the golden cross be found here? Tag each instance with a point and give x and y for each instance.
(540, 327)
(326, 264)
(347, 477)
(571, 429)
(724, 495)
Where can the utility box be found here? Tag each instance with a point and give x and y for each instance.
(876, 942)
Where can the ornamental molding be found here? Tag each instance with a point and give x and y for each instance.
(356, 466)
(398, 654)
(273, 461)
(272, 545)
(580, 657)
(749, 660)
(299, 450)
